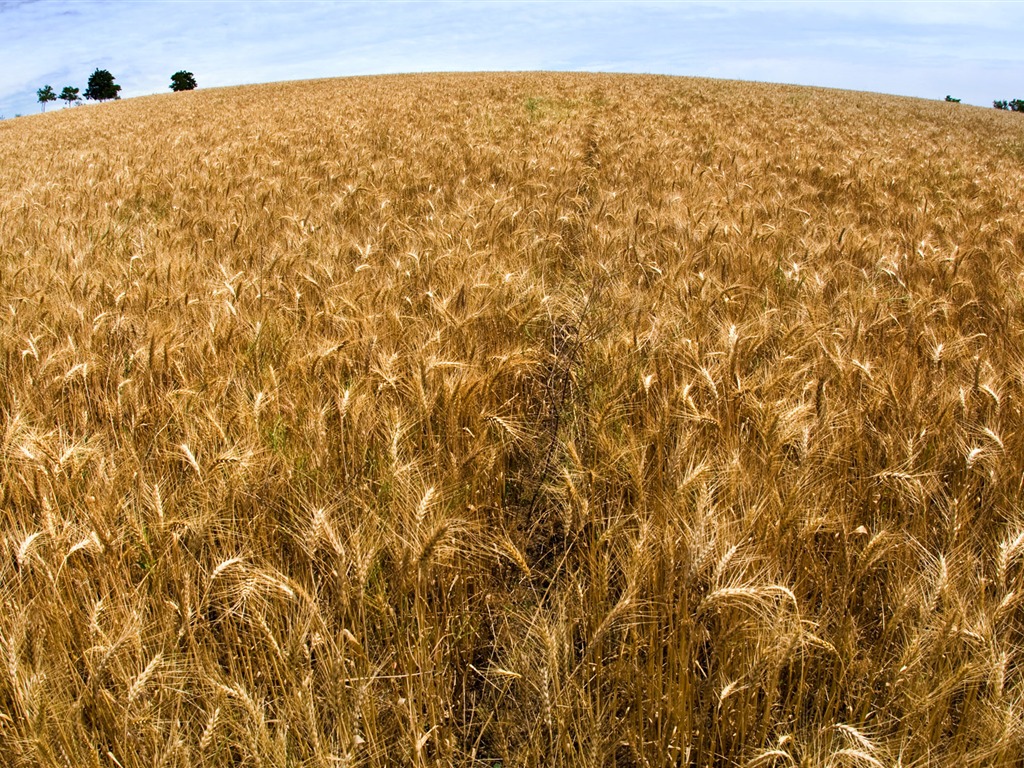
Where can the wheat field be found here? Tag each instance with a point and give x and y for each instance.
(512, 420)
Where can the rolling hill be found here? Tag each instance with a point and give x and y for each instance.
(512, 419)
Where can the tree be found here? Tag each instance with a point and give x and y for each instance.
(1017, 105)
(952, 100)
(69, 95)
(183, 81)
(46, 94)
(102, 86)
(1001, 104)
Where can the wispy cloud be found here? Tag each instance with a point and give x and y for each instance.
(925, 49)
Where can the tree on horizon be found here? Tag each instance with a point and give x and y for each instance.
(46, 94)
(69, 95)
(183, 81)
(102, 86)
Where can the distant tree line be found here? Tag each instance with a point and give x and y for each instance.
(1015, 105)
(101, 87)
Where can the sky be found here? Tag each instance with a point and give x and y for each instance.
(969, 50)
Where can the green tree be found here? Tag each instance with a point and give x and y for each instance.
(102, 86)
(183, 81)
(69, 95)
(46, 94)
(1000, 104)
(952, 100)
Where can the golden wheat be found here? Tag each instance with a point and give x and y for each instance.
(529, 419)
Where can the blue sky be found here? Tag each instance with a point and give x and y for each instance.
(927, 49)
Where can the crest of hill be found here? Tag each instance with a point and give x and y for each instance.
(854, 159)
(694, 117)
